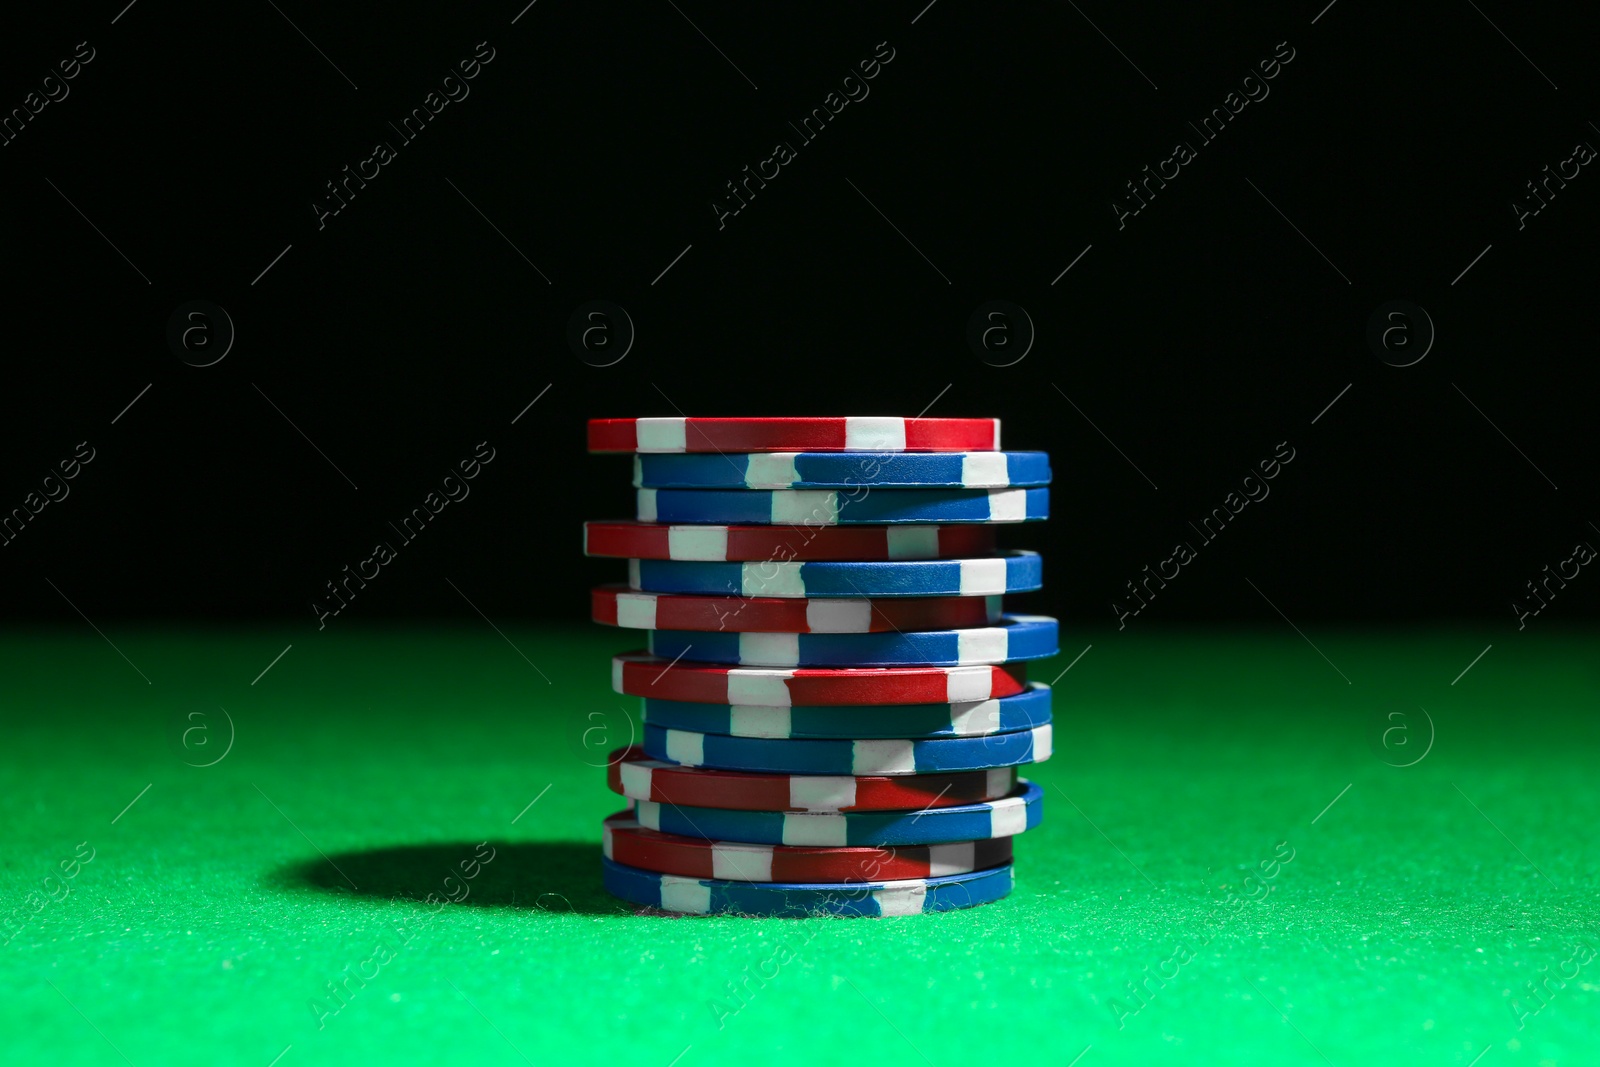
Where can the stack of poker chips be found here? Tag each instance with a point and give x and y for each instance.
(834, 707)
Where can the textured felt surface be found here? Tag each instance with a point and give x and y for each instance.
(216, 909)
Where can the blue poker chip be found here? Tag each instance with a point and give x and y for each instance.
(833, 507)
(1017, 637)
(1005, 817)
(710, 896)
(970, 718)
(885, 756)
(840, 470)
(1007, 572)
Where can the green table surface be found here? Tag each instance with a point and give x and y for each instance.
(1421, 906)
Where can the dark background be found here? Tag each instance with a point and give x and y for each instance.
(409, 329)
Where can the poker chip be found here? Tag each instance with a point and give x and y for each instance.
(842, 470)
(626, 842)
(635, 775)
(617, 605)
(785, 900)
(628, 539)
(887, 756)
(835, 707)
(1017, 637)
(971, 718)
(641, 674)
(854, 434)
(830, 507)
(1006, 817)
(1008, 572)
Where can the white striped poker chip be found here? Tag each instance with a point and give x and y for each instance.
(630, 539)
(709, 896)
(617, 605)
(829, 434)
(1016, 637)
(641, 674)
(842, 470)
(1006, 817)
(831, 507)
(632, 773)
(888, 756)
(1008, 572)
(972, 718)
(624, 841)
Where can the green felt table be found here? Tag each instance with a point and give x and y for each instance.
(1404, 911)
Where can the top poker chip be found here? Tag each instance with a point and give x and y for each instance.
(852, 434)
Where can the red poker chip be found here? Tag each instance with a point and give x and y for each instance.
(852, 434)
(643, 675)
(633, 774)
(626, 842)
(618, 605)
(627, 539)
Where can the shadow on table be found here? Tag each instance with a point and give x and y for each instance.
(554, 877)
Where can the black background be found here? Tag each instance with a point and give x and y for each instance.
(408, 329)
